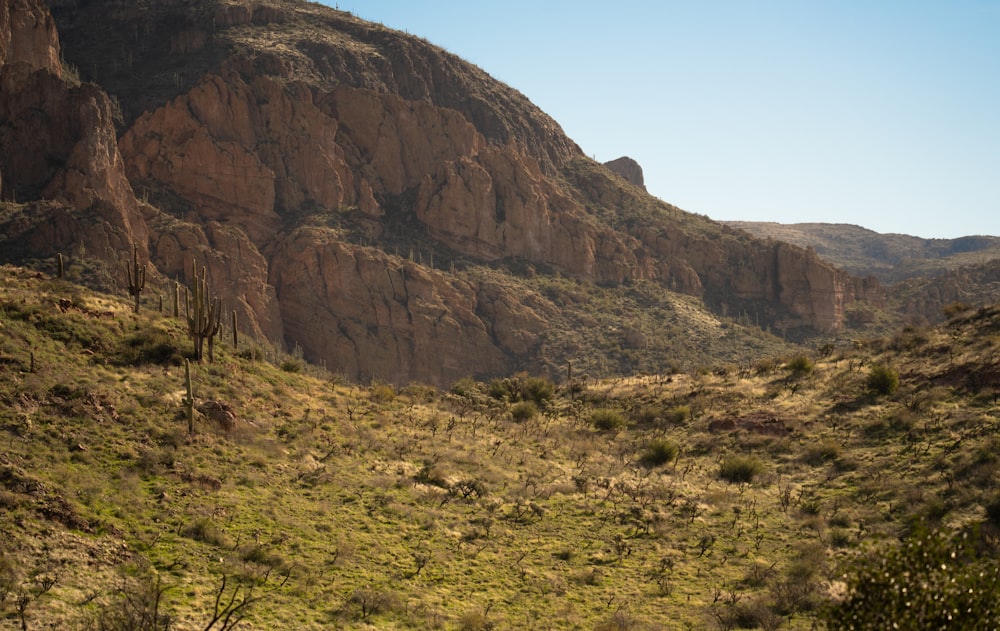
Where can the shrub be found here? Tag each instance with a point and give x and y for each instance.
(607, 419)
(135, 604)
(646, 415)
(381, 392)
(882, 379)
(660, 451)
(740, 469)
(152, 346)
(934, 580)
(464, 387)
(500, 389)
(523, 411)
(679, 414)
(371, 601)
(824, 451)
(538, 389)
(800, 366)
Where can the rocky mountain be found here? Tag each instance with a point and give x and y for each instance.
(363, 195)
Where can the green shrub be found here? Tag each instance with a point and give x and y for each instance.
(500, 389)
(152, 346)
(538, 389)
(740, 469)
(523, 411)
(660, 451)
(882, 379)
(607, 419)
(800, 366)
(935, 580)
(464, 387)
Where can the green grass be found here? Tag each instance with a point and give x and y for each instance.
(412, 508)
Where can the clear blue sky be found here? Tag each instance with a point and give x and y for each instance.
(880, 113)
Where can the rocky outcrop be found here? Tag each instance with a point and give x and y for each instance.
(380, 315)
(628, 169)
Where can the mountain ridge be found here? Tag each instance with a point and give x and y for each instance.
(892, 257)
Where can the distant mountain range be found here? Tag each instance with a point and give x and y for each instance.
(889, 257)
(922, 276)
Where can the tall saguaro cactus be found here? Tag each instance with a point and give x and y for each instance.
(136, 277)
(203, 314)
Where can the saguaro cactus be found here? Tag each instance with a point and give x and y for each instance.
(188, 400)
(136, 277)
(203, 314)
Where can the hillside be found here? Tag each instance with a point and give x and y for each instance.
(892, 258)
(370, 198)
(731, 496)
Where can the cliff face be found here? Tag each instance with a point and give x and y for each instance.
(305, 166)
(28, 35)
(59, 143)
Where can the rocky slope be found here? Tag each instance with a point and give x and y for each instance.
(349, 189)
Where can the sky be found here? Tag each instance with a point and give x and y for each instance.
(879, 113)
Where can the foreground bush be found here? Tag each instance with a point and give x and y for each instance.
(932, 581)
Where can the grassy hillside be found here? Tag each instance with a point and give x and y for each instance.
(725, 497)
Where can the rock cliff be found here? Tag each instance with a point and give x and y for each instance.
(352, 190)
